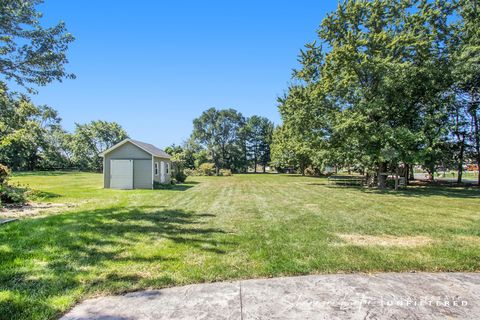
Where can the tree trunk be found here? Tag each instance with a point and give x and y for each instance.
(255, 164)
(477, 141)
(245, 155)
(460, 161)
(264, 169)
(217, 168)
(397, 177)
(407, 174)
(431, 172)
(382, 177)
(411, 172)
(31, 162)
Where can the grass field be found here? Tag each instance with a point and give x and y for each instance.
(466, 175)
(217, 228)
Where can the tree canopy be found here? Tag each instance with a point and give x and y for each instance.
(221, 133)
(229, 140)
(32, 138)
(31, 54)
(376, 90)
(259, 131)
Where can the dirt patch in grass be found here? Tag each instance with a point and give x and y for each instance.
(31, 209)
(384, 240)
(469, 239)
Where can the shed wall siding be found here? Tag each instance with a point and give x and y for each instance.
(169, 175)
(128, 151)
(142, 174)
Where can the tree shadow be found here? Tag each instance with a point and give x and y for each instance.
(102, 250)
(337, 186)
(413, 191)
(43, 173)
(177, 187)
(190, 182)
(428, 191)
(298, 175)
(42, 195)
(292, 175)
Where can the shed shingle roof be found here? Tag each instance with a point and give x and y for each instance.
(150, 148)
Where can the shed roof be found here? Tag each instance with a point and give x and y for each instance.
(147, 147)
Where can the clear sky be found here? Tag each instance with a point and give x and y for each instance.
(154, 66)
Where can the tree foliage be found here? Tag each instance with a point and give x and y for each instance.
(221, 133)
(90, 139)
(378, 89)
(258, 131)
(466, 59)
(32, 138)
(26, 131)
(31, 54)
(230, 141)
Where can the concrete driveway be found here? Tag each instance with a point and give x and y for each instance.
(348, 296)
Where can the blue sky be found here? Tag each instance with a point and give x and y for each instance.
(154, 66)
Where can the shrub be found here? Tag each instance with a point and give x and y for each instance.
(206, 169)
(190, 172)
(12, 194)
(162, 186)
(310, 171)
(4, 173)
(180, 176)
(225, 172)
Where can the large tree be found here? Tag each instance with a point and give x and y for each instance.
(90, 139)
(288, 150)
(31, 54)
(259, 132)
(376, 96)
(467, 70)
(221, 132)
(28, 134)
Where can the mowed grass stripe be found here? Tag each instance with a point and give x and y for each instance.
(218, 228)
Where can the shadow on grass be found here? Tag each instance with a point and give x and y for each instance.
(176, 187)
(413, 191)
(337, 186)
(44, 173)
(190, 182)
(428, 191)
(42, 195)
(97, 251)
(173, 187)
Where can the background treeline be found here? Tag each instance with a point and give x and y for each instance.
(387, 84)
(32, 138)
(224, 141)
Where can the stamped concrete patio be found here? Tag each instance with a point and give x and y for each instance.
(339, 296)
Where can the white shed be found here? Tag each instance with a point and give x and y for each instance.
(133, 164)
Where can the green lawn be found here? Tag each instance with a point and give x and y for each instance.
(466, 175)
(217, 228)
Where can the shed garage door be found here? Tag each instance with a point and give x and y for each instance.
(121, 174)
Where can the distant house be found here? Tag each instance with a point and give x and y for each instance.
(133, 164)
